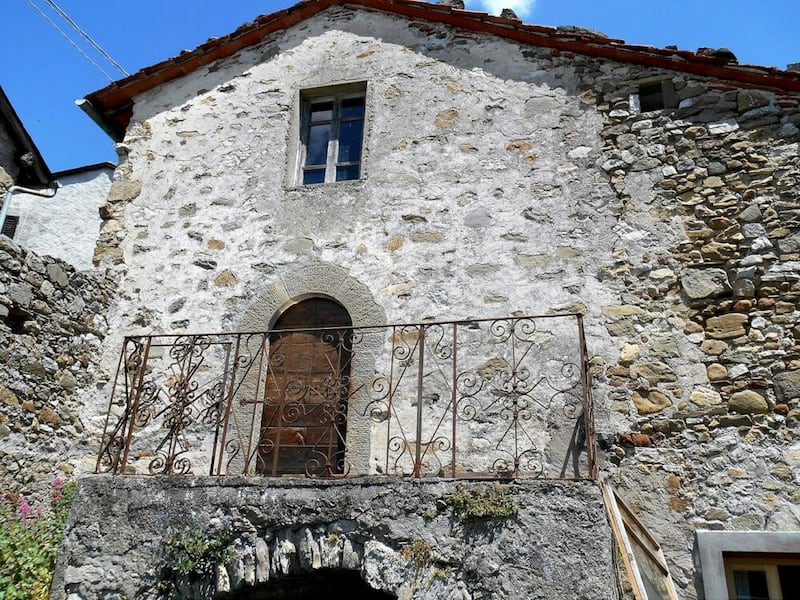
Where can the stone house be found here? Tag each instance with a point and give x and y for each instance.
(20, 160)
(502, 251)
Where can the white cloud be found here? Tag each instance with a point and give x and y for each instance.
(523, 8)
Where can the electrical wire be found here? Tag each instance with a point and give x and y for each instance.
(86, 36)
(70, 40)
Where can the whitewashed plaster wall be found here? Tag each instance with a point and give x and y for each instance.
(471, 203)
(67, 225)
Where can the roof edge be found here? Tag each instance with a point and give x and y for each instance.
(21, 136)
(84, 169)
(112, 107)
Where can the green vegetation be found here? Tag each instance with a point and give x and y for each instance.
(191, 553)
(419, 552)
(29, 541)
(429, 514)
(482, 503)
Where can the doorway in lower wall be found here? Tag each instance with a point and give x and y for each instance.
(323, 583)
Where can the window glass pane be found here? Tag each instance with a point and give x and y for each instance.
(311, 176)
(352, 107)
(321, 111)
(350, 141)
(347, 173)
(789, 576)
(318, 137)
(751, 585)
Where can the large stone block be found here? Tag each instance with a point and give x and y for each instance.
(787, 385)
(700, 284)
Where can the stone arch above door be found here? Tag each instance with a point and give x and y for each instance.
(318, 279)
(326, 280)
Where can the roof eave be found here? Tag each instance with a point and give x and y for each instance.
(112, 106)
(39, 170)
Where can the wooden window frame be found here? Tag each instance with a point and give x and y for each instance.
(765, 563)
(336, 95)
(719, 549)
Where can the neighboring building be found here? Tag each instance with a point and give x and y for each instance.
(67, 224)
(20, 160)
(53, 214)
(349, 166)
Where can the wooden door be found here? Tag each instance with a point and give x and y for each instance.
(304, 418)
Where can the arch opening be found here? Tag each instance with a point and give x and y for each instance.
(336, 583)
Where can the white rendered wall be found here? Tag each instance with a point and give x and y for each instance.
(67, 225)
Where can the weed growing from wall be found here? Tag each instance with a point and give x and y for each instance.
(191, 555)
(482, 503)
(419, 552)
(29, 541)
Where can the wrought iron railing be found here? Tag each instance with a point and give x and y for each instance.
(503, 397)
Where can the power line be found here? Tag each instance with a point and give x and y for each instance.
(70, 40)
(86, 36)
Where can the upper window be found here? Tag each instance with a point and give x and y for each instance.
(331, 135)
(656, 95)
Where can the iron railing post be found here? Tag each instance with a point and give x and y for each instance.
(229, 402)
(454, 400)
(138, 380)
(420, 375)
(588, 407)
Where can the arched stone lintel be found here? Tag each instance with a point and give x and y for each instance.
(331, 281)
(311, 549)
(318, 279)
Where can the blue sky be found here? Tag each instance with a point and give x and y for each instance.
(43, 75)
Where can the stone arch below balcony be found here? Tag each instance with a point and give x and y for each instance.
(290, 563)
(326, 280)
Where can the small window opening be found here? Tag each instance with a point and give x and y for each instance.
(10, 226)
(656, 95)
(332, 134)
(16, 318)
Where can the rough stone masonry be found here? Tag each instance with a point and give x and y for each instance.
(52, 323)
(501, 177)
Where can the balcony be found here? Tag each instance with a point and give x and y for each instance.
(496, 398)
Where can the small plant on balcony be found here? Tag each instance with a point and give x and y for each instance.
(191, 556)
(482, 503)
(29, 540)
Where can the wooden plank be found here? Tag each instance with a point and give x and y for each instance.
(649, 571)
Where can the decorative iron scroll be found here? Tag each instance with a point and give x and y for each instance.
(506, 397)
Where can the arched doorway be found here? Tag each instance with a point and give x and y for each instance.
(304, 418)
(324, 583)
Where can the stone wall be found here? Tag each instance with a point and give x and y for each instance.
(52, 323)
(707, 368)
(558, 544)
(502, 178)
